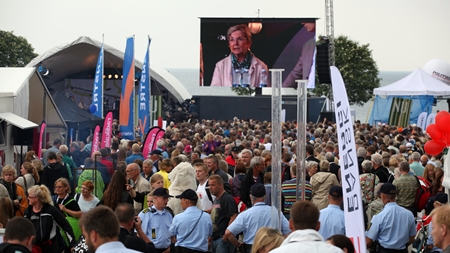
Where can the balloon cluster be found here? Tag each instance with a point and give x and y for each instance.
(439, 133)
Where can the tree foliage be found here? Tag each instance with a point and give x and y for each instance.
(243, 91)
(358, 69)
(15, 51)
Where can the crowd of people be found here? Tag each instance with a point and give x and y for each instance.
(207, 186)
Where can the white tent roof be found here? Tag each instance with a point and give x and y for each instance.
(416, 83)
(81, 55)
(13, 80)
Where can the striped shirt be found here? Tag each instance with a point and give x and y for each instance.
(288, 189)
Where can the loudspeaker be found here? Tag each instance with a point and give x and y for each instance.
(22, 136)
(323, 63)
(329, 115)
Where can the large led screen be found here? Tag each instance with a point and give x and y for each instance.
(239, 51)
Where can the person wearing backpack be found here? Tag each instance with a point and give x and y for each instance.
(223, 213)
(406, 188)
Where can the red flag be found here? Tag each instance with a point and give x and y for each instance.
(107, 130)
(41, 136)
(153, 135)
(96, 139)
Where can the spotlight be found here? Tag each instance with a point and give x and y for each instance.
(121, 77)
(43, 71)
(104, 77)
(109, 76)
(116, 76)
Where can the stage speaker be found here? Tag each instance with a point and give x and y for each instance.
(323, 63)
(22, 136)
(329, 115)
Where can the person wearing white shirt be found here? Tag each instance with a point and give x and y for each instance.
(201, 174)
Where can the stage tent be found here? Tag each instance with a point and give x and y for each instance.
(417, 86)
(24, 103)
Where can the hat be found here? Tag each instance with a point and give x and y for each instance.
(188, 194)
(388, 188)
(187, 149)
(235, 149)
(156, 152)
(441, 198)
(162, 192)
(258, 190)
(336, 191)
(409, 145)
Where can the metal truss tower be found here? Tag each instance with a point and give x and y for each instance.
(329, 19)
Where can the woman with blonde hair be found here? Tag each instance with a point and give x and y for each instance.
(29, 176)
(165, 167)
(43, 215)
(266, 239)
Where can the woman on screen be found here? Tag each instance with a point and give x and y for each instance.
(241, 67)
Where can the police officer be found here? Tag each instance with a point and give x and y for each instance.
(157, 219)
(253, 219)
(193, 227)
(394, 227)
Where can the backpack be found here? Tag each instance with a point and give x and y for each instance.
(423, 193)
(241, 206)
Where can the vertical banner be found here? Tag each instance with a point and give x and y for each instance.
(431, 119)
(153, 135)
(422, 120)
(107, 130)
(353, 208)
(41, 136)
(400, 112)
(97, 93)
(96, 139)
(144, 95)
(126, 115)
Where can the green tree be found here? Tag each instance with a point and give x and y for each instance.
(358, 69)
(243, 91)
(15, 51)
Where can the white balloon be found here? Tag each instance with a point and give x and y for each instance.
(438, 69)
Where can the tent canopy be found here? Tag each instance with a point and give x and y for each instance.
(415, 84)
(81, 55)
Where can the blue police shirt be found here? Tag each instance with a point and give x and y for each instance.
(156, 226)
(184, 223)
(332, 221)
(392, 227)
(253, 219)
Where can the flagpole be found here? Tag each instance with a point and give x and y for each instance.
(149, 84)
(133, 93)
(103, 72)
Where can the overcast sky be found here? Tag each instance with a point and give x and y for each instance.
(403, 34)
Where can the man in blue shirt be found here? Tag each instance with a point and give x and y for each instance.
(156, 221)
(249, 221)
(135, 149)
(394, 227)
(193, 227)
(332, 219)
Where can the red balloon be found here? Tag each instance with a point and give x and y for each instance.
(443, 121)
(434, 147)
(434, 132)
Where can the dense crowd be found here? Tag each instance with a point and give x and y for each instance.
(207, 187)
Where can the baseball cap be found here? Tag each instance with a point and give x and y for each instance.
(388, 188)
(162, 192)
(156, 152)
(187, 149)
(188, 194)
(336, 191)
(409, 145)
(441, 198)
(258, 190)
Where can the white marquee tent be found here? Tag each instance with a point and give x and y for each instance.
(417, 86)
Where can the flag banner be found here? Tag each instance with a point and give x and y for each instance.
(144, 95)
(95, 140)
(97, 93)
(126, 114)
(153, 135)
(107, 131)
(400, 112)
(353, 208)
(422, 120)
(431, 119)
(41, 136)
